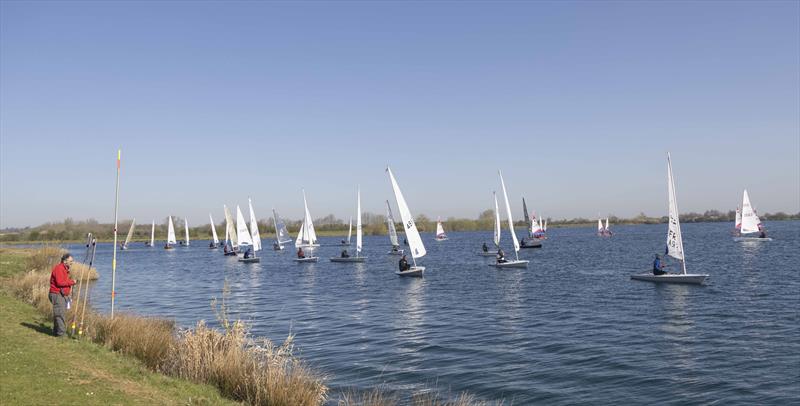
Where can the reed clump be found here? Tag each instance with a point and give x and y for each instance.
(148, 339)
(383, 397)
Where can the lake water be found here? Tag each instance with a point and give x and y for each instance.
(570, 329)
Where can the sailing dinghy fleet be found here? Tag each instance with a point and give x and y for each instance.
(244, 241)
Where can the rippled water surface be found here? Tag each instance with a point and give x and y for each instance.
(570, 329)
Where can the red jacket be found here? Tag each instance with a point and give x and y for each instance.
(59, 280)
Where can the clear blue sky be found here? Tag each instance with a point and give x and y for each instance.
(577, 103)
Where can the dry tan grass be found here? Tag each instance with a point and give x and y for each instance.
(376, 397)
(257, 372)
(145, 338)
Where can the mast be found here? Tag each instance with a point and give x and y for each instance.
(114, 258)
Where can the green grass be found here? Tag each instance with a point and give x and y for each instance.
(39, 368)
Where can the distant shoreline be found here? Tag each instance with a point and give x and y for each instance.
(338, 233)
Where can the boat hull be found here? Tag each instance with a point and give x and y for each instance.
(307, 246)
(398, 252)
(305, 260)
(250, 260)
(414, 271)
(522, 263)
(530, 244)
(441, 239)
(349, 259)
(740, 239)
(695, 279)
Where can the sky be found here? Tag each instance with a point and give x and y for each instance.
(577, 103)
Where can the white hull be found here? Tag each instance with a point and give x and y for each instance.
(250, 260)
(487, 254)
(348, 259)
(307, 259)
(441, 238)
(671, 278)
(522, 263)
(306, 246)
(416, 271)
(739, 239)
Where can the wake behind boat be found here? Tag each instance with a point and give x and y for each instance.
(674, 244)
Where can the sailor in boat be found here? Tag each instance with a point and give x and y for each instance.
(276, 246)
(404, 266)
(485, 248)
(344, 242)
(345, 254)
(300, 253)
(249, 253)
(763, 234)
(211, 244)
(501, 256)
(394, 249)
(658, 267)
(227, 248)
(405, 241)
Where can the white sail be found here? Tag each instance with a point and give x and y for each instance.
(390, 226)
(599, 225)
(750, 220)
(230, 228)
(171, 233)
(607, 224)
(536, 225)
(256, 237)
(738, 222)
(281, 233)
(349, 230)
(186, 229)
(213, 230)
(545, 225)
(358, 223)
(306, 236)
(674, 238)
(153, 234)
(439, 229)
(241, 229)
(412, 234)
(130, 233)
(508, 214)
(496, 221)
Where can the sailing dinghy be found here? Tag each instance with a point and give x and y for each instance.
(152, 235)
(215, 241)
(281, 233)
(185, 241)
(517, 263)
(130, 235)
(440, 235)
(170, 236)
(392, 232)
(358, 257)
(531, 241)
(750, 223)
(349, 233)
(306, 238)
(412, 234)
(496, 236)
(255, 237)
(674, 242)
(231, 242)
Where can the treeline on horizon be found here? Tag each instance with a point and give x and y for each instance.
(372, 224)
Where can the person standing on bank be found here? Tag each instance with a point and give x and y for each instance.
(60, 287)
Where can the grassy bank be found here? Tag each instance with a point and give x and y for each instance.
(142, 360)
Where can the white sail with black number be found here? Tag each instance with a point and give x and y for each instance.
(750, 221)
(674, 238)
(412, 234)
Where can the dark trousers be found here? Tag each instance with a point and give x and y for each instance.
(59, 313)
